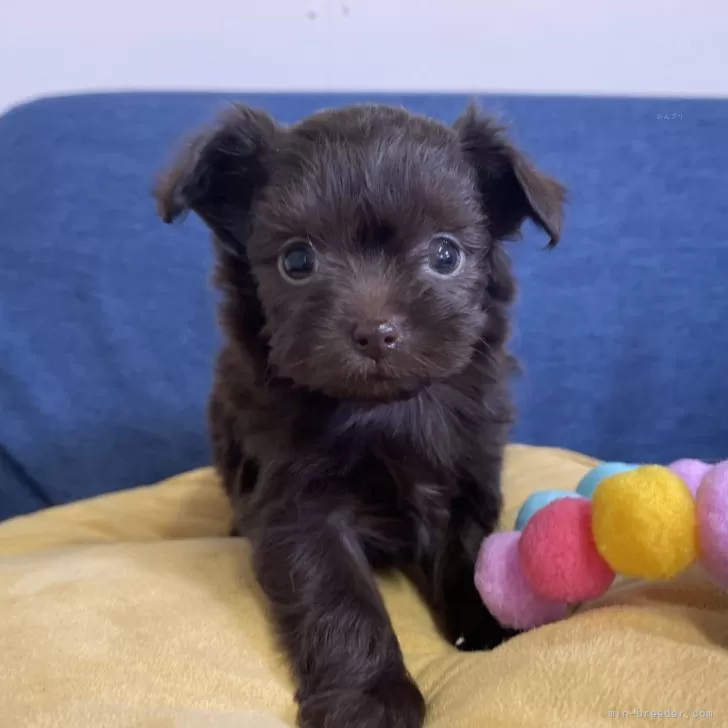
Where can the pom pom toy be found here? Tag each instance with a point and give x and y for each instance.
(713, 523)
(691, 471)
(536, 501)
(506, 589)
(650, 522)
(559, 556)
(644, 523)
(588, 484)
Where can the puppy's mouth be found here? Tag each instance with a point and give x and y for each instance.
(382, 385)
(376, 385)
(360, 380)
(382, 390)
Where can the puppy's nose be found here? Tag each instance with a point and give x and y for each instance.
(375, 338)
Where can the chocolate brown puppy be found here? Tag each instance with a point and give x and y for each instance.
(360, 407)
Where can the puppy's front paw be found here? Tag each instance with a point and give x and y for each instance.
(393, 702)
(484, 633)
(485, 639)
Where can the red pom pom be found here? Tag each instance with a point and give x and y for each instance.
(558, 554)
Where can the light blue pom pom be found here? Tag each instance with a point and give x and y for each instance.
(536, 501)
(588, 484)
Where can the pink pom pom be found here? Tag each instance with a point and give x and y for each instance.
(712, 514)
(503, 587)
(559, 556)
(691, 471)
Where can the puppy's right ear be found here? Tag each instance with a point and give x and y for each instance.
(219, 171)
(512, 189)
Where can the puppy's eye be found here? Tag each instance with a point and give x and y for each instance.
(444, 256)
(298, 261)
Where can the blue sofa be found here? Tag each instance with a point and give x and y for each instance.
(107, 326)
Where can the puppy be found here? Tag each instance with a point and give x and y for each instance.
(360, 407)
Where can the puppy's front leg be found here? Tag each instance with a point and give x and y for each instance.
(448, 566)
(329, 613)
(450, 586)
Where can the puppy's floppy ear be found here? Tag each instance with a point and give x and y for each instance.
(511, 187)
(219, 171)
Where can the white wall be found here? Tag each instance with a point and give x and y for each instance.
(663, 47)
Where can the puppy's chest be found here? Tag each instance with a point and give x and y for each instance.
(417, 435)
(400, 503)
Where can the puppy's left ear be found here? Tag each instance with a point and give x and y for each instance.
(219, 172)
(512, 189)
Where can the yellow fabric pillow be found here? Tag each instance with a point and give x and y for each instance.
(134, 610)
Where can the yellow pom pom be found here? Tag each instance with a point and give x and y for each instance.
(644, 523)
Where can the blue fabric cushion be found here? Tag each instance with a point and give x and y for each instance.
(107, 328)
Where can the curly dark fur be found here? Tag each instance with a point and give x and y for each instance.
(337, 465)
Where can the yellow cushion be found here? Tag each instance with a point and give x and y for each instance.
(134, 610)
